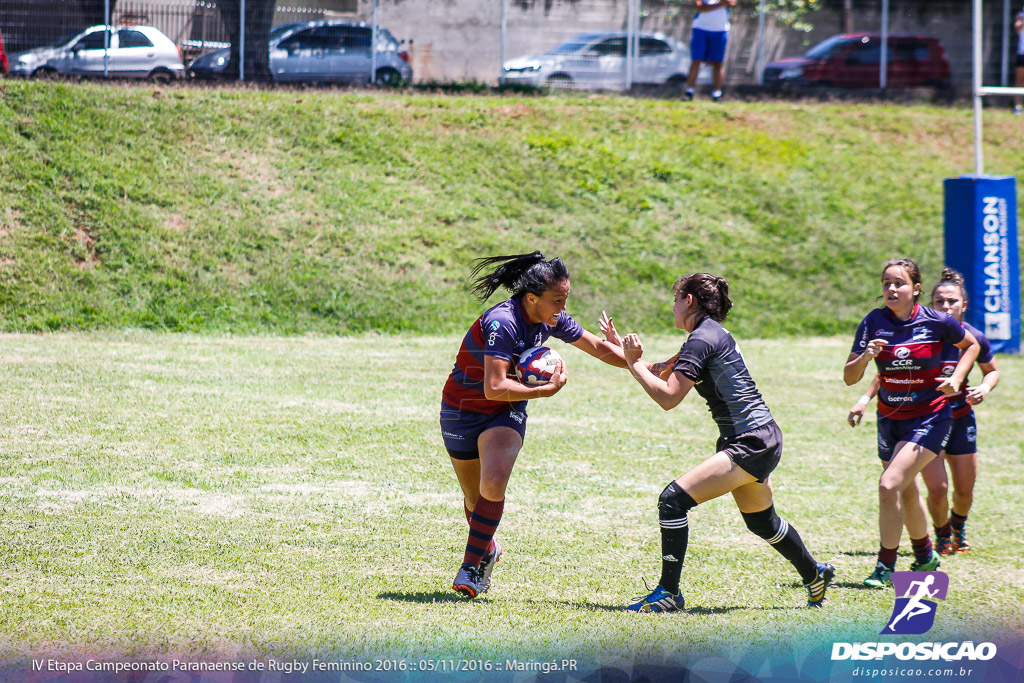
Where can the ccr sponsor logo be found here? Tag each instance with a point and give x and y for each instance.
(902, 352)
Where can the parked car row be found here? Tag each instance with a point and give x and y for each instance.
(329, 50)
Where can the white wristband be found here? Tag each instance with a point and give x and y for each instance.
(864, 400)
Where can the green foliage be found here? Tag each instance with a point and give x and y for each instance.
(294, 211)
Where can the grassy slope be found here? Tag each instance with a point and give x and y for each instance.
(326, 211)
(194, 495)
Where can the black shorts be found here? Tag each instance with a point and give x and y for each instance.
(756, 452)
(1020, 60)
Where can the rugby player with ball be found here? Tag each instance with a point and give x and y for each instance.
(483, 405)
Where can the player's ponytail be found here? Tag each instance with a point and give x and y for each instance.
(951, 278)
(518, 273)
(710, 292)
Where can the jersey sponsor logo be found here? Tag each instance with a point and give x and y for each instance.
(493, 329)
(920, 334)
(884, 333)
(972, 434)
(538, 340)
(905, 364)
(888, 380)
(902, 352)
(902, 398)
(947, 369)
(517, 416)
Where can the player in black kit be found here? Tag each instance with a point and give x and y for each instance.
(748, 449)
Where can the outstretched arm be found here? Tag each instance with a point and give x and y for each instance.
(667, 393)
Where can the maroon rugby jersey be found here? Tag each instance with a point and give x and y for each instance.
(951, 356)
(910, 365)
(502, 331)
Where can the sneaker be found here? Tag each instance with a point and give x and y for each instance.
(942, 544)
(716, 95)
(660, 600)
(816, 588)
(688, 94)
(929, 565)
(960, 544)
(882, 576)
(467, 581)
(487, 566)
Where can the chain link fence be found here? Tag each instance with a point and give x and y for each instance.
(606, 44)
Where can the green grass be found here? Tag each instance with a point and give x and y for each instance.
(292, 211)
(203, 496)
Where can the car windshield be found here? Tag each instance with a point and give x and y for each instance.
(828, 48)
(280, 30)
(574, 45)
(65, 39)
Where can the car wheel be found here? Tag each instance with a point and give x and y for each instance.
(676, 83)
(559, 81)
(161, 76)
(388, 76)
(46, 73)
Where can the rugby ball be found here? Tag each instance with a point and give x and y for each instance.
(536, 365)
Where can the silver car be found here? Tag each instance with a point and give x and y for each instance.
(336, 50)
(122, 51)
(598, 60)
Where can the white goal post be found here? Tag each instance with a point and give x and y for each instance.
(980, 90)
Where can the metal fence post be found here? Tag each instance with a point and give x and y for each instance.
(760, 42)
(373, 44)
(504, 32)
(630, 20)
(883, 62)
(1004, 66)
(241, 41)
(106, 38)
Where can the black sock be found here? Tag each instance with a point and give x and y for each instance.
(784, 538)
(673, 505)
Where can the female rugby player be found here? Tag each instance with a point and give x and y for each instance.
(949, 296)
(483, 406)
(748, 449)
(906, 342)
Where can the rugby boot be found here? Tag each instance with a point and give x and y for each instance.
(467, 581)
(816, 588)
(882, 576)
(659, 600)
(487, 565)
(929, 565)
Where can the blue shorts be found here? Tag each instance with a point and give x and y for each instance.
(460, 429)
(929, 431)
(708, 46)
(963, 439)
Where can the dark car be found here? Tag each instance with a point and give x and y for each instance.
(324, 50)
(851, 60)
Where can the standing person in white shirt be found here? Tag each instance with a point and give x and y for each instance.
(707, 43)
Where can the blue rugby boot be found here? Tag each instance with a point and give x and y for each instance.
(816, 588)
(659, 600)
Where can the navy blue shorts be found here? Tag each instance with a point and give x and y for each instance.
(930, 431)
(460, 429)
(963, 438)
(708, 46)
(756, 452)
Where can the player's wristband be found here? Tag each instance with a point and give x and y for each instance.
(864, 400)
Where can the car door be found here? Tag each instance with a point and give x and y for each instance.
(654, 62)
(909, 65)
(859, 68)
(299, 57)
(611, 63)
(134, 54)
(86, 56)
(354, 57)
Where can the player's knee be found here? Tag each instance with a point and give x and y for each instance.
(766, 524)
(674, 502)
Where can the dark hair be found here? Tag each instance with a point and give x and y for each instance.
(518, 273)
(953, 278)
(711, 293)
(908, 265)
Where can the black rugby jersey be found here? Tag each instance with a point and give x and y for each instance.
(712, 361)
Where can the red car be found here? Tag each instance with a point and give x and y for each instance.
(851, 60)
(3, 57)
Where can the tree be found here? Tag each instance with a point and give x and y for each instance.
(259, 15)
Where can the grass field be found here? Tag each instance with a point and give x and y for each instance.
(224, 497)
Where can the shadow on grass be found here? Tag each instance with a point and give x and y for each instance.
(432, 596)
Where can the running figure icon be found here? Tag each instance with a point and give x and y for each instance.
(916, 602)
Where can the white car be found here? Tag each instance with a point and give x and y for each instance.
(598, 60)
(122, 51)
